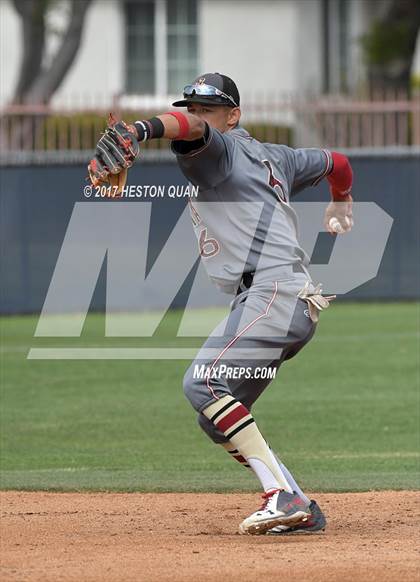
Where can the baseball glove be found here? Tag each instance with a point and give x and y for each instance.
(115, 153)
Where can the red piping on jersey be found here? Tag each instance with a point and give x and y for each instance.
(184, 125)
(341, 176)
(230, 344)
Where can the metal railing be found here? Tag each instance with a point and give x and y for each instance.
(393, 121)
(385, 121)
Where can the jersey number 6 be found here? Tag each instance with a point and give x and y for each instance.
(208, 246)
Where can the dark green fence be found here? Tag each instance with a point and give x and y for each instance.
(36, 203)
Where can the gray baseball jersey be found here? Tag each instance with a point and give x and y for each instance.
(242, 215)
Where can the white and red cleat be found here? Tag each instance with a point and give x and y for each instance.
(279, 508)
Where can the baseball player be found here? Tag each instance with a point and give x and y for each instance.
(247, 237)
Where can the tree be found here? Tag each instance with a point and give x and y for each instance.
(390, 44)
(36, 82)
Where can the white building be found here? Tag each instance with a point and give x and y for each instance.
(155, 47)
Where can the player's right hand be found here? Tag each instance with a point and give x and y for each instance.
(338, 218)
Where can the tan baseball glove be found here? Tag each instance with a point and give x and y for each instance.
(115, 153)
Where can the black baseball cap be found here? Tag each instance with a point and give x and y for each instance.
(211, 88)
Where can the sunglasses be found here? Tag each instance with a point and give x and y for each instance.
(207, 91)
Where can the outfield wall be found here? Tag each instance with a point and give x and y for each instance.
(36, 203)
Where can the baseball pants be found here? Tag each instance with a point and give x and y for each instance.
(266, 326)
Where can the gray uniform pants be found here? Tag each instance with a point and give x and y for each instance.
(267, 325)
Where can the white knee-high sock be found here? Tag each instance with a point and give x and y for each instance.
(234, 420)
(235, 454)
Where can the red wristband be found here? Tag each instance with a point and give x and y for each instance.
(341, 176)
(184, 126)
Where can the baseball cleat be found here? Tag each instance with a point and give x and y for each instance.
(315, 523)
(279, 508)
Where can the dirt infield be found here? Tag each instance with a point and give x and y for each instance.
(185, 537)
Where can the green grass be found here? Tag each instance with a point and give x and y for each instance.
(344, 414)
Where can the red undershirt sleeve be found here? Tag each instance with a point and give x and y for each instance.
(341, 176)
